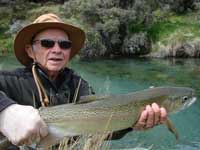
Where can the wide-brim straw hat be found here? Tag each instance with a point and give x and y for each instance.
(46, 21)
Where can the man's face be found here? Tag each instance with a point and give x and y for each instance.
(50, 51)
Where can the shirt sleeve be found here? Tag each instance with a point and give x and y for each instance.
(5, 101)
(7, 85)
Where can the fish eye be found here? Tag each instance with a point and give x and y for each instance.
(185, 98)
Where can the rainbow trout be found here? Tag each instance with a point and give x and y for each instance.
(95, 114)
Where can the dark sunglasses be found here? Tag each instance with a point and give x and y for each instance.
(49, 43)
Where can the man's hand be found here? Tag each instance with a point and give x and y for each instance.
(22, 124)
(151, 116)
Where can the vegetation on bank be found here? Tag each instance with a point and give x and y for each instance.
(173, 28)
(113, 28)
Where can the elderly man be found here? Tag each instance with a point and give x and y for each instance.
(44, 48)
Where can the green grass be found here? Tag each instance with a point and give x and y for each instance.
(187, 24)
(171, 29)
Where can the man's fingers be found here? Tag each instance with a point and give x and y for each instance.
(22, 124)
(34, 136)
(43, 131)
(142, 121)
(157, 113)
(151, 116)
(143, 118)
(14, 141)
(25, 139)
(163, 115)
(150, 119)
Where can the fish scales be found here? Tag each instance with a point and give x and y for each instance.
(107, 113)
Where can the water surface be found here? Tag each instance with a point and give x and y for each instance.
(127, 75)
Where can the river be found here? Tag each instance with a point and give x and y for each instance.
(127, 75)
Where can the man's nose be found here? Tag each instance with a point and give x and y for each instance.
(56, 48)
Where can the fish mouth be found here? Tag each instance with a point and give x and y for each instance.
(192, 101)
(189, 103)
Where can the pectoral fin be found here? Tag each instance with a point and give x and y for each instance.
(171, 128)
(53, 137)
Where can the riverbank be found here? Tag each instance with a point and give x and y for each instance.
(115, 28)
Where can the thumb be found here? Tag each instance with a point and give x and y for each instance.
(43, 130)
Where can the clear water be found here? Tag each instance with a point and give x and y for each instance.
(125, 75)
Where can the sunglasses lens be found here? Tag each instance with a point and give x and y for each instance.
(47, 43)
(65, 44)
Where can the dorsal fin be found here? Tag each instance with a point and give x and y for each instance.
(91, 98)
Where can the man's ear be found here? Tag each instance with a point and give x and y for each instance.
(29, 51)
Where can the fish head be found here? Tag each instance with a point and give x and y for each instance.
(179, 98)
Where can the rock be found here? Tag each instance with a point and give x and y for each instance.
(197, 49)
(179, 50)
(16, 26)
(94, 48)
(136, 44)
(179, 6)
(182, 51)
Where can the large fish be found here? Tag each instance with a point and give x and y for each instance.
(108, 113)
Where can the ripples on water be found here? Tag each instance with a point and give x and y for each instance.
(131, 75)
(125, 75)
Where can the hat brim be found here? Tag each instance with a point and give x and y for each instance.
(24, 37)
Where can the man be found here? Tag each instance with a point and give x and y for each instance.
(44, 48)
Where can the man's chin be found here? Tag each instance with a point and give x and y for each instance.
(54, 69)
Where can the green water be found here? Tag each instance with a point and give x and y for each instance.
(125, 75)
